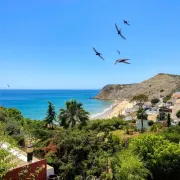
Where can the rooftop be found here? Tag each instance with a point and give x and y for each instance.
(20, 156)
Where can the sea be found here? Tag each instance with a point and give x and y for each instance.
(34, 103)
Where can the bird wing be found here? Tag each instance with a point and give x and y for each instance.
(118, 51)
(122, 60)
(122, 35)
(95, 50)
(125, 59)
(101, 57)
(116, 27)
(116, 62)
(126, 62)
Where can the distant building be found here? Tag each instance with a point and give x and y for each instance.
(139, 124)
(175, 96)
(128, 118)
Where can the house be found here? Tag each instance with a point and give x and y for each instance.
(128, 118)
(139, 124)
(21, 161)
(175, 96)
(175, 108)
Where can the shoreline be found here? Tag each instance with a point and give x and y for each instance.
(105, 113)
(118, 107)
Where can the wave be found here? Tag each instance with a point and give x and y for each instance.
(104, 113)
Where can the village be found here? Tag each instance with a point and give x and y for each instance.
(156, 111)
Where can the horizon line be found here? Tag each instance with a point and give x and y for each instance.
(48, 89)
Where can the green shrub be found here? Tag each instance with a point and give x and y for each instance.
(161, 157)
(156, 127)
(128, 166)
(172, 133)
(106, 125)
(154, 101)
(167, 98)
(150, 123)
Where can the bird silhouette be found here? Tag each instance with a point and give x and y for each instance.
(118, 51)
(126, 22)
(122, 61)
(98, 54)
(119, 32)
(8, 85)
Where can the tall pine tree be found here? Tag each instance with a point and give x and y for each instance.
(51, 115)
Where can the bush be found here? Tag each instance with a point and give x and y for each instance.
(106, 125)
(156, 126)
(172, 133)
(154, 101)
(128, 166)
(84, 153)
(2, 115)
(150, 123)
(161, 157)
(167, 98)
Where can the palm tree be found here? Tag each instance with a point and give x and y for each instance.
(141, 114)
(73, 114)
(51, 115)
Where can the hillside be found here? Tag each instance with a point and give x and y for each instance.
(161, 84)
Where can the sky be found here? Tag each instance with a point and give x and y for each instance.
(47, 44)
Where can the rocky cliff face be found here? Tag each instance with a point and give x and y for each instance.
(161, 84)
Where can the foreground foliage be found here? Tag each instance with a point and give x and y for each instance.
(5, 157)
(128, 166)
(161, 156)
(91, 149)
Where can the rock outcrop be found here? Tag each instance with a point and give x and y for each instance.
(161, 84)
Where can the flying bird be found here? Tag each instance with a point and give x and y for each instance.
(122, 61)
(97, 53)
(118, 51)
(8, 85)
(126, 22)
(119, 32)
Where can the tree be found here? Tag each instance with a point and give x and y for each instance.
(84, 153)
(167, 98)
(3, 115)
(140, 99)
(168, 120)
(6, 159)
(161, 157)
(178, 114)
(172, 134)
(14, 113)
(73, 114)
(128, 166)
(150, 123)
(51, 115)
(141, 114)
(154, 101)
(162, 113)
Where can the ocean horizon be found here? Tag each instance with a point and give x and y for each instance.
(33, 103)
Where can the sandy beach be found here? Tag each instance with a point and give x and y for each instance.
(117, 108)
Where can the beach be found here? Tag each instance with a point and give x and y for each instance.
(117, 108)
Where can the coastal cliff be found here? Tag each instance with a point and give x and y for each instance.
(161, 84)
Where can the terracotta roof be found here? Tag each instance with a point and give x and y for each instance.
(176, 95)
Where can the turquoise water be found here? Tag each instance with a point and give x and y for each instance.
(33, 103)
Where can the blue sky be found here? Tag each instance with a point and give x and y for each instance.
(47, 44)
